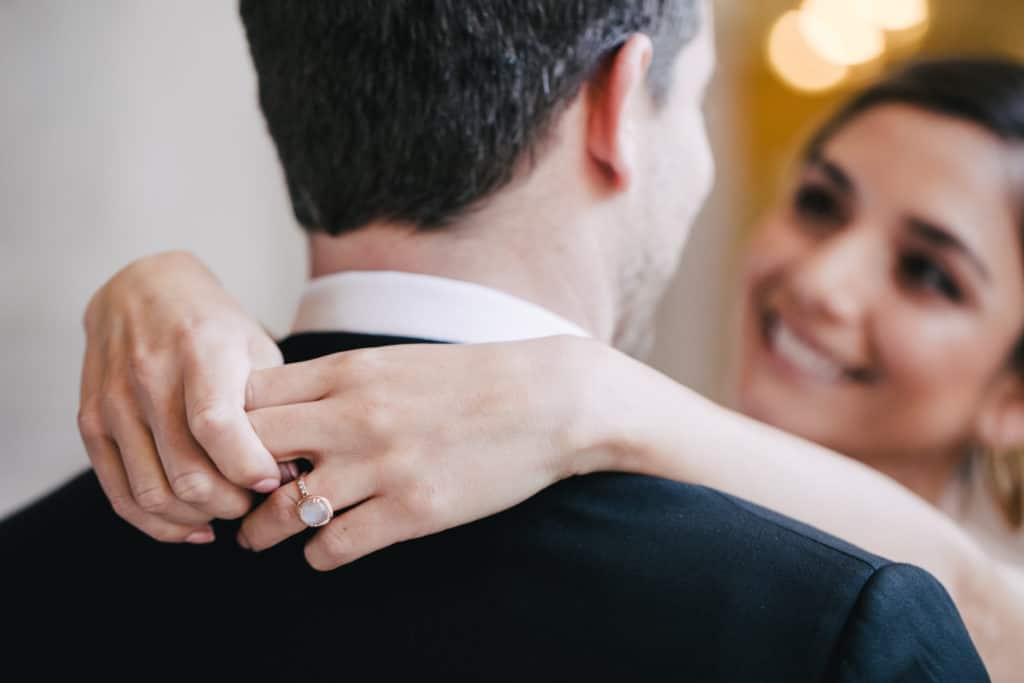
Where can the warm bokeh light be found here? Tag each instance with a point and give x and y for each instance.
(828, 42)
(796, 61)
(839, 30)
(895, 15)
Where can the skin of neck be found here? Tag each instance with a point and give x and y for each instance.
(547, 237)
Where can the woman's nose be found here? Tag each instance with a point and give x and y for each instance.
(834, 279)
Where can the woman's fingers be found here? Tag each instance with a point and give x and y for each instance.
(167, 347)
(450, 433)
(215, 376)
(307, 430)
(145, 473)
(303, 382)
(277, 518)
(366, 528)
(106, 462)
(190, 472)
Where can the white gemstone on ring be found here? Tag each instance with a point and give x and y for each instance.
(315, 511)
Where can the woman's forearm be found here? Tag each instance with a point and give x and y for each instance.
(654, 426)
(676, 433)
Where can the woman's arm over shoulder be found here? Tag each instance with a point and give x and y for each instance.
(642, 421)
(991, 600)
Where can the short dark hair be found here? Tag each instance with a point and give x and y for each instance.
(415, 110)
(988, 92)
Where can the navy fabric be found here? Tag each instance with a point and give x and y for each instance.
(599, 578)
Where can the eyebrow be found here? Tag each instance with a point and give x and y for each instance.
(925, 230)
(944, 239)
(833, 171)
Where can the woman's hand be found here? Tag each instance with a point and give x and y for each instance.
(167, 358)
(422, 438)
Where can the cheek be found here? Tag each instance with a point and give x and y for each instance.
(773, 246)
(942, 347)
(937, 367)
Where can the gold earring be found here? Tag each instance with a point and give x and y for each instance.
(1005, 471)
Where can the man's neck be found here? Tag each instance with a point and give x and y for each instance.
(566, 281)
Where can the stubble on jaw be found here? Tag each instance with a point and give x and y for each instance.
(641, 287)
(636, 338)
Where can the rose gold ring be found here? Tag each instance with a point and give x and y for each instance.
(313, 510)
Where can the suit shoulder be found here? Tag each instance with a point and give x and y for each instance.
(692, 571)
(649, 505)
(807, 531)
(905, 626)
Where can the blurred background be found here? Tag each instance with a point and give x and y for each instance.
(131, 126)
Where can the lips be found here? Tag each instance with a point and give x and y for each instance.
(805, 358)
(784, 342)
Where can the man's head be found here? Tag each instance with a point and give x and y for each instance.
(421, 112)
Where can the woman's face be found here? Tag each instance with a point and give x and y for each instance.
(884, 294)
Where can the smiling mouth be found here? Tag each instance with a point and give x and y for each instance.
(797, 354)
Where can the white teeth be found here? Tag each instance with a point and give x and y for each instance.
(790, 347)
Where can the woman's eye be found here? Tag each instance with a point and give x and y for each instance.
(922, 272)
(817, 204)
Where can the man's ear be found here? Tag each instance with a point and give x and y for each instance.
(1000, 425)
(618, 97)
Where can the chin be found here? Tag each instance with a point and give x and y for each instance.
(806, 419)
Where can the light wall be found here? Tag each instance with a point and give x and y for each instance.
(128, 127)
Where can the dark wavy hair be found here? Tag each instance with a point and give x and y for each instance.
(986, 91)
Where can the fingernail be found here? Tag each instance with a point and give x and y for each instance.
(243, 541)
(200, 536)
(266, 486)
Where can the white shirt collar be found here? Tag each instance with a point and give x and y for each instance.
(422, 307)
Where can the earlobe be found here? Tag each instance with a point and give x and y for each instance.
(1000, 425)
(617, 98)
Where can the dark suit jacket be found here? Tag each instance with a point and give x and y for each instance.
(599, 578)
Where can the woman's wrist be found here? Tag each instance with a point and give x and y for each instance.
(575, 382)
(609, 425)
